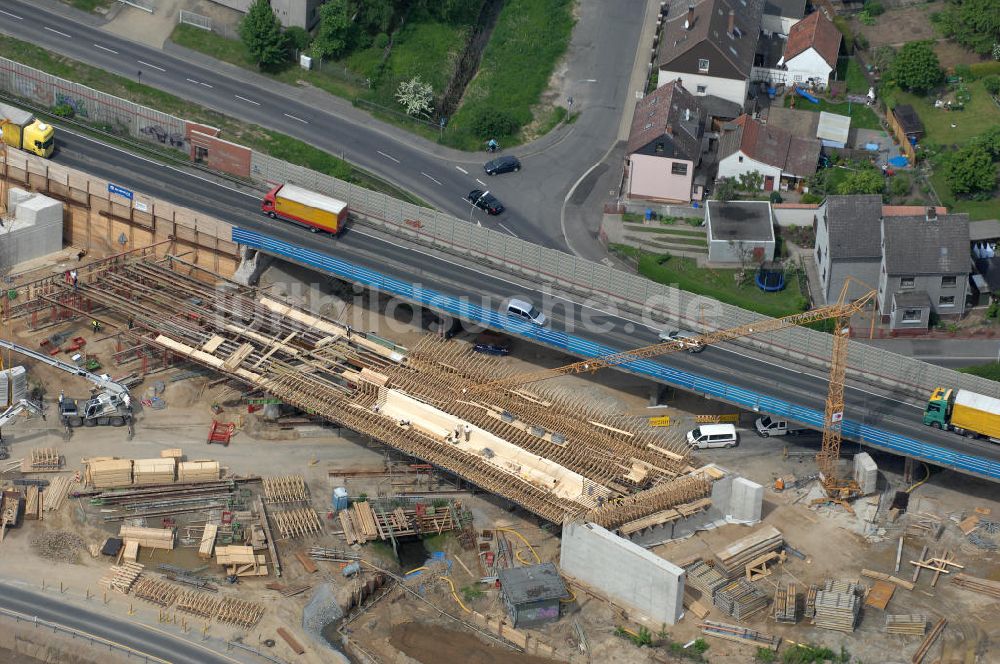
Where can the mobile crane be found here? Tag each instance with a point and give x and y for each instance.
(13, 411)
(108, 405)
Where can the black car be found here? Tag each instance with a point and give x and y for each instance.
(484, 200)
(502, 165)
(491, 349)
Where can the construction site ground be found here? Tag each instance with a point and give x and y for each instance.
(417, 623)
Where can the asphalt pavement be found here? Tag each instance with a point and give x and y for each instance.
(882, 408)
(132, 634)
(598, 67)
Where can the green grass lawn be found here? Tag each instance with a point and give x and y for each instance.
(990, 371)
(977, 210)
(861, 116)
(719, 284)
(89, 5)
(856, 81)
(979, 114)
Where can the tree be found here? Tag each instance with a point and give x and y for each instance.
(260, 31)
(297, 38)
(336, 29)
(916, 67)
(492, 122)
(899, 186)
(990, 141)
(415, 96)
(725, 189)
(971, 171)
(974, 24)
(752, 181)
(862, 181)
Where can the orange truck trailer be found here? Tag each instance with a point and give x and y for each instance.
(314, 211)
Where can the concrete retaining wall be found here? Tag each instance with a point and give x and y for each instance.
(794, 214)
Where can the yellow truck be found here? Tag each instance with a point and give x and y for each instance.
(964, 412)
(23, 131)
(314, 211)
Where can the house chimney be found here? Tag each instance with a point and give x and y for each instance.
(689, 21)
(732, 23)
(687, 115)
(932, 214)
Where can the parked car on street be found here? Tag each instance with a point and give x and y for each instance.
(506, 164)
(484, 200)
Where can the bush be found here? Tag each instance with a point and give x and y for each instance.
(899, 185)
(63, 110)
(298, 38)
(493, 123)
(381, 40)
(874, 8)
(980, 69)
(992, 84)
(810, 197)
(776, 197)
(964, 72)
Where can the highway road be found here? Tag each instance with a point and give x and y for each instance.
(597, 72)
(724, 363)
(143, 639)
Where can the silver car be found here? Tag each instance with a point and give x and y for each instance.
(685, 340)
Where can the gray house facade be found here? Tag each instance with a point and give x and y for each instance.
(925, 269)
(740, 232)
(848, 244)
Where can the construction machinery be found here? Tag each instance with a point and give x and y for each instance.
(108, 405)
(13, 411)
(839, 490)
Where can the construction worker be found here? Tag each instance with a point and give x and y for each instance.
(468, 431)
(96, 325)
(74, 277)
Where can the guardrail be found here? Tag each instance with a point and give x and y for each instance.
(866, 434)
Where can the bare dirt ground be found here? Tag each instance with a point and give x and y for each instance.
(897, 26)
(430, 644)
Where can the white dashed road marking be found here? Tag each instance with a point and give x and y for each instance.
(105, 48)
(480, 182)
(61, 34)
(295, 118)
(146, 64)
(430, 178)
(15, 16)
(462, 170)
(249, 101)
(388, 156)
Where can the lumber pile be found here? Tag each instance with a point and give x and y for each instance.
(173, 453)
(56, 492)
(705, 578)
(364, 521)
(130, 551)
(241, 561)
(42, 460)
(121, 578)
(838, 606)
(929, 640)
(937, 564)
(197, 603)
(732, 560)
(208, 541)
(154, 471)
(886, 577)
(285, 489)
(239, 612)
(292, 642)
(910, 625)
(296, 523)
(198, 471)
(154, 538)
(156, 592)
(32, 503)
(107, 473)
(810, 607)
(784, 604)
(740, 599)
(978, 585)
(739, 634)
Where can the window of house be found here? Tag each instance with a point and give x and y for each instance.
(819, 255)
(946, 301)
(702, 65)
(949, 281)
(906, 282)
(823, 278)
(797, 78)
(701, 89)
(741, 158)
(678, 168)
(911, 315)
(659, 147)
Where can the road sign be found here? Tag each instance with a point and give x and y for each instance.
(121, 191)
(662, 421)
(734, 418)
(837, 417)
(141, 207)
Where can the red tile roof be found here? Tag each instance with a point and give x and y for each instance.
(818, 32)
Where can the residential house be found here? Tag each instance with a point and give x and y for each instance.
(664, 145)
(925, 269)
(740, 231)
(710, 45)
(848, 244)
(747, 145)
(298, 13)
(812, 50)
(780, 15)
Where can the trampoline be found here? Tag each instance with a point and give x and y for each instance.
(770, 278)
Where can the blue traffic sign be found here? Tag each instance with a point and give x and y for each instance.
(121, 191)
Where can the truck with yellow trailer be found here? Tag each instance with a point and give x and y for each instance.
(316, 212)
(964, 412)
(24, 131)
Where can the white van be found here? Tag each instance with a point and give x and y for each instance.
(713, 435)
(525, 311)
(769, 426)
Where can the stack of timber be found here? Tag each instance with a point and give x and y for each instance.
(838, 606)
(153, 538)
(197, 603)
(732, 560)
(157, 592)
(739, 634)
(784, 604)
(32, 503)
(56, 492)
(241, 561)
(121, 578)
(42, 460)
(705, 578)
(911, 625)
(239, 612)
(107, 472)
(208, 541)
(975, 584)
(173, 453)
(198, 471)
(296, 523)
(810, 608)
(740, 599)
(286, 489)
(366, 521)
(130, 552)
(154, 471)
(932, 636)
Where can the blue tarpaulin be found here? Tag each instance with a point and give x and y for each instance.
(899, 162)
(872, 147)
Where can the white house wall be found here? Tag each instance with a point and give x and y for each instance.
(735, 90)
(779, 24)
(806, 65)
(731, 167)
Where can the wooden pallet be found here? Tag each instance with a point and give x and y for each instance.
(121, 578)
(239, 612)
(285, 489)
(297, 523)
(43, 460)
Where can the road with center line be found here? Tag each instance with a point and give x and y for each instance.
(533, 197)
(727, 363)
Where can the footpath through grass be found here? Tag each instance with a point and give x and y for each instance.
(716, 283)
(243, 133)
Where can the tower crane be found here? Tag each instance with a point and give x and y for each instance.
(840, 313)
